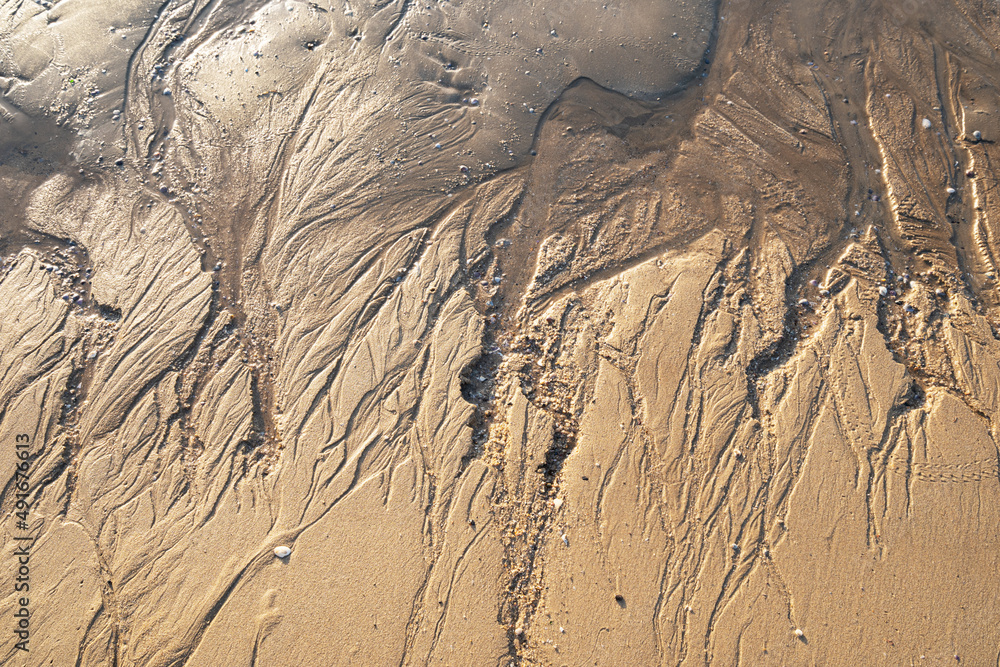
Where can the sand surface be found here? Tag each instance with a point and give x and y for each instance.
(582, 332)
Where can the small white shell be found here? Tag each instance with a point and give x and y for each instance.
(926, 123)
(799, 633)
(950, 191)
(282, 552)
(557, 503)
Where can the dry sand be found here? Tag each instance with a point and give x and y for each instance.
(554, 333)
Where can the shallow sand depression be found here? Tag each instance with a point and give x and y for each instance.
(495, 333)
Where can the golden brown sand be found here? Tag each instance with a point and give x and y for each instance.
(553, 333)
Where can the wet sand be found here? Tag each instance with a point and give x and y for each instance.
(557, 334)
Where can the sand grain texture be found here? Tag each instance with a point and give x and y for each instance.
(566, 333)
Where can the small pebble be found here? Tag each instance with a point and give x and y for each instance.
(282, 552)
(799, 633)
(977, 135)
(926, 123)
(950, 191)
(557, 503)
(884, 291)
